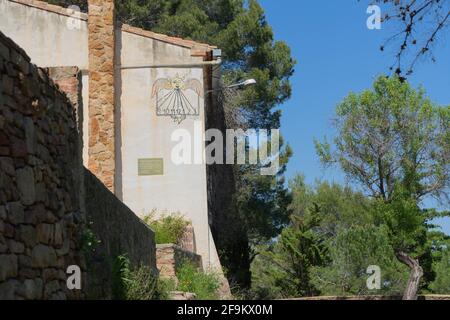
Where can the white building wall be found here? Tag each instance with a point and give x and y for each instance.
(182, 188)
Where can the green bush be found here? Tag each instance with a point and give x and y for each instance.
(167, 228)
(441, 284)
(138, 284)
(204, 285)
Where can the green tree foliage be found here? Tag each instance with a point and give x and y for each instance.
(335, 234)
(283, 269)
(441, 284)
(141, 13)
(338, 207)
(333, 237)
(395, 143)
(353, 236)
(352, 251)
(392, 140)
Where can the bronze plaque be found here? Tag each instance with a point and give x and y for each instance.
(151, 167)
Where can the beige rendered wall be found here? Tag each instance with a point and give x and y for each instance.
(51, 40)
(143, 134)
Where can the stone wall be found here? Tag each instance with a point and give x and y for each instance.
(187, 240)
(39, 180)
(170, 257)
(119, 231)
(101, 90)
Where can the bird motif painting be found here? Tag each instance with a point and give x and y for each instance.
(171, 99)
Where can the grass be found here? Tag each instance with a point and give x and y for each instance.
(168, 228)
(138, 284)
(204, 285)
(142, 284)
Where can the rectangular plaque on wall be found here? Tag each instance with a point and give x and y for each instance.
(151, 167)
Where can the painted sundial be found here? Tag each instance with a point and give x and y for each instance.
(174, 97)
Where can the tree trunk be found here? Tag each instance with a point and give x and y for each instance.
(414, 278)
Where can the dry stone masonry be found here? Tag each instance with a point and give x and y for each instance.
(39, 179)
(171, 257)
(101, 90)
(119, 232)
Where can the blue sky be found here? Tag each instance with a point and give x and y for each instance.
(337, 54)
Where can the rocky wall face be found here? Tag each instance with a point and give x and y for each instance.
(101, 91)
(118, 232)
(40, 172)
(170, 257)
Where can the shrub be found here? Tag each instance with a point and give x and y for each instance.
(204, 285)
(167, 228)
(138, 284)
(441, 284)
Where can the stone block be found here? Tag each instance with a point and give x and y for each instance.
(8, 85)
(16, 214)
(18, 147)
(45, 233)
(4, 51)
(31, 141)
(32, 289)
(26, 185)
(7, 166)
(28, 235)
(50, 275)
(3, 213)
(8, 289)
(8, 266)
(16, 247)
(5, 151)
(41, 193)
(43, 257)
(59, 234)
(3, 245)
(9, 231)
(4, 139)
(27, 273)
(51, 288)
(25, 261)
